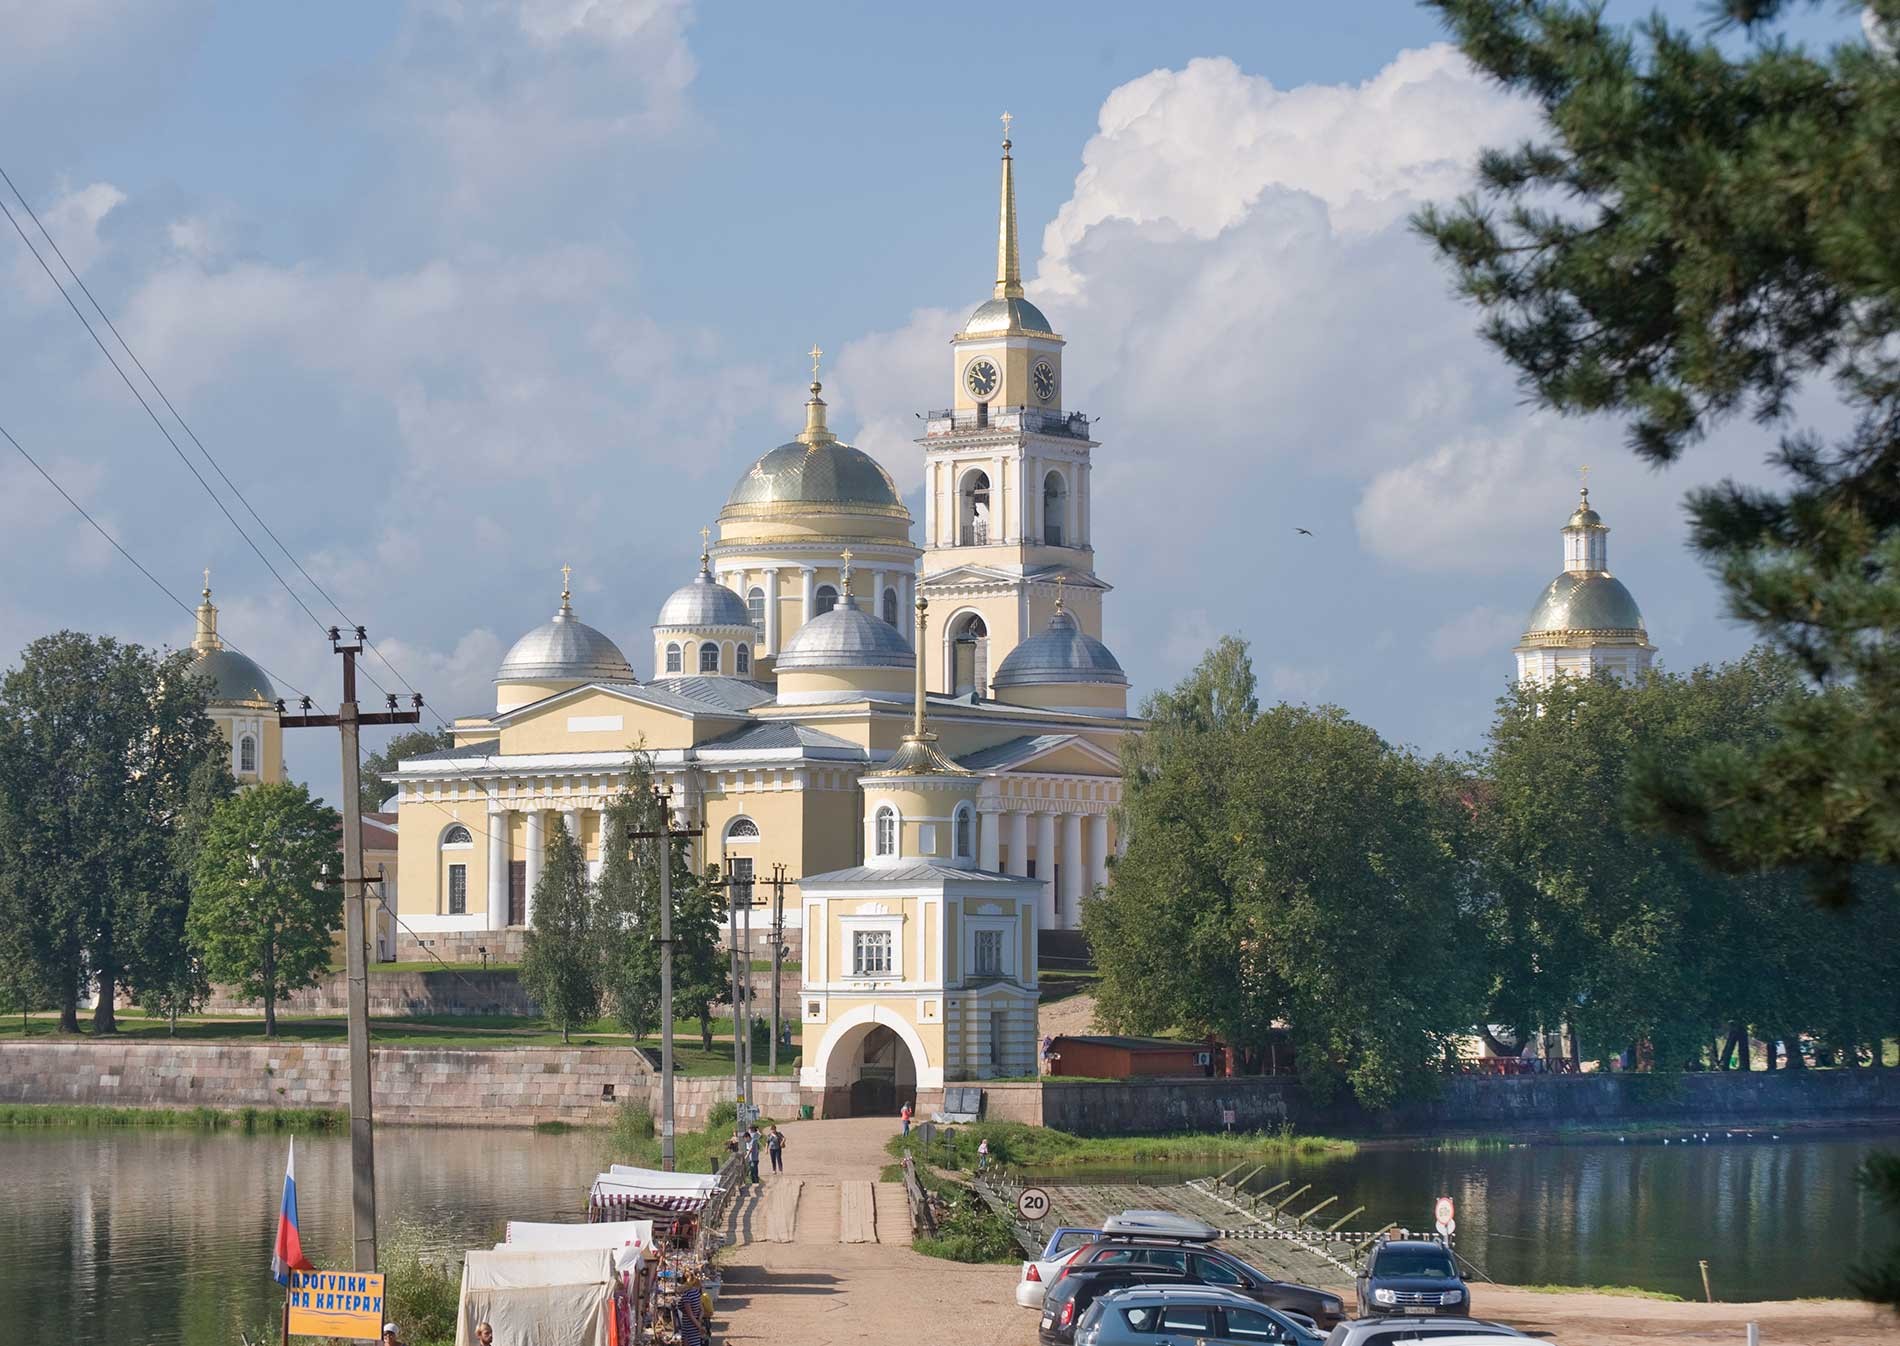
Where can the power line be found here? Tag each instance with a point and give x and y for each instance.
(119, 547)
(186, 427)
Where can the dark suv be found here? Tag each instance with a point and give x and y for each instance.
(1411, 1276)
(1198, 1264)
(1068, 1299)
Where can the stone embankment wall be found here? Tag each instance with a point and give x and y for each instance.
(511, 1087)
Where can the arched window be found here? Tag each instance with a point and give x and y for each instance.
(709, 658)
(742, 829)
(969, 655)
(824, 600)
(890, 606)
(1055, 507)
(742, 662)
(755, 604)
(966, 818)
(247, 753)
(973, 509)
(886, 831)
(672, 658)
(457, 835)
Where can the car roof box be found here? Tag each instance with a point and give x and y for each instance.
(1159, 1224)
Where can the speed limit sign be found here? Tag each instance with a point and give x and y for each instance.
(1032, 1203)
(1444, 1212)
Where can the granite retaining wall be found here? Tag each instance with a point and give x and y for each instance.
(507, 1087)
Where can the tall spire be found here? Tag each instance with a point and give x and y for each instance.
(1009, 263)
(918, 754)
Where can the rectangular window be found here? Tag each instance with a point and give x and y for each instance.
(989, 953)
(517, 892)
(999, 1021)
(739, 870)
(871, 953)
(458, 889)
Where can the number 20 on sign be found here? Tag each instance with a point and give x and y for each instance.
(1032, 1203)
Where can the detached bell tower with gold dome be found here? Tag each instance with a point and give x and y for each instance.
(1006, 484)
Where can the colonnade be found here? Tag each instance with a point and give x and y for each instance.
(534, 825)
(1070, 848)
(890, 576)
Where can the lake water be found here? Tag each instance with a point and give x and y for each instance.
(1776, 1218)
(163, 1237)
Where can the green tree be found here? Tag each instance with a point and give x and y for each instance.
(560, 957)
(629, 914)
(1289, 865)
(1699, 233)
(374, 786)
(266, 901)
(98, 744)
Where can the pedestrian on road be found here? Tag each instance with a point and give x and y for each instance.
(775, 1146)
(689, 1313)
(982, 1154)
(752, 1152)
(904, 1112)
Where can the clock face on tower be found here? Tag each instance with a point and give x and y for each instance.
(980, 377)
(1044, 376)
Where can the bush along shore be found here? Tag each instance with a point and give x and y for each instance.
(248, 1120)
(1016, 1145)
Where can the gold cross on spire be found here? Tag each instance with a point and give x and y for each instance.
(1060, 581)
(705, 536)
(1007, 119)
(844, 571)
(207, 581)
(567, 573)
(816, 355)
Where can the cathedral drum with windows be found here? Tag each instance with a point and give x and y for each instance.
(243, 704)
(1585, 622)
(784, 720)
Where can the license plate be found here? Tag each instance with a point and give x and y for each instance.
(1048, 1320)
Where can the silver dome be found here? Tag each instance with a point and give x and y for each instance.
(233, 676)
(796, 476)
(1586, 602)
(1062, 653)
(994, 317)
(846, 637)
(704, 603)
(562, 648)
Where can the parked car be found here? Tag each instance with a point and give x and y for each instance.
(1040, 1272)
(1187, 1251)
(1412, 1276)
(1145, 1315)
(1440, 1331)
(1071, 1297)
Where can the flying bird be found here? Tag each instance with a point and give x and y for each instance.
(1304, 532)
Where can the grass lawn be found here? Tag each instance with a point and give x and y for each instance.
(1018, 1146)
(479, 1031)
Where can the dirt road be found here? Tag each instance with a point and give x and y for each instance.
(821, 1257)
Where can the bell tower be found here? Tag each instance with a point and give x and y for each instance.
(1006, 483)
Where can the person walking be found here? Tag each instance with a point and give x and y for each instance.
(775, 1146)
(982, 1154)
(904, 1112)
(752, 1152)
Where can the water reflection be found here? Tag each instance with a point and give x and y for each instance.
(164, 1237)
(1775, 1219)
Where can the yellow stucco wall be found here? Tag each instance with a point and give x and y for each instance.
(603, 722)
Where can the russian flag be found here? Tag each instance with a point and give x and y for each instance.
(286, 1255)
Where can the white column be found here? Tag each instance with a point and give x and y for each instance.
(877, 593)
(1083, 472)
(571, 820)
(1018, 843)
(808, 578)
(1046, 870)
(1073, 866)
(771, 609)
(1032, 477)
(498, 857)
(987, 849)
(930, 504)
(532, 821)
(600, 847)
(1097, 827)
(1025, 496)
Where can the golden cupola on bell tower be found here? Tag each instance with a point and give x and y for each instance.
(1006, 482)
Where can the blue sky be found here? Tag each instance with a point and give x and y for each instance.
(458, 292)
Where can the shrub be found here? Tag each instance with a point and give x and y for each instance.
(421, 1292)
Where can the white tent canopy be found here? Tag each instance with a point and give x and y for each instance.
(528, 1236)
(653, 1180)
(538, 1296)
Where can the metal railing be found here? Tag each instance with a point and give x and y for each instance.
(1036, 420)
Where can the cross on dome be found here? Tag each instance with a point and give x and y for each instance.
(1007, 119)
(844, 572)
(567, 574)
(816, 355)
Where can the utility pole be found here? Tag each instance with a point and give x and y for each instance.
(732, 948)
(347, 721)
(664, 834)
(777, 938)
